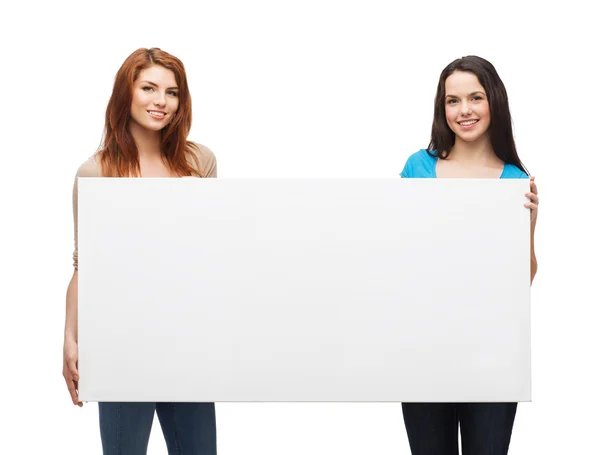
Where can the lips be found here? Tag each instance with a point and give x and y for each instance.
(159, 115)
(467, 123)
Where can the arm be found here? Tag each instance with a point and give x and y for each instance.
(534, 264)
(533, 206)
(71, 310)
(70, 349)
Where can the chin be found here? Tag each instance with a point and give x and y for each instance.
(468, 137)
(154, 127)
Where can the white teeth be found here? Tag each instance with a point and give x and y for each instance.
(156, 114)
(467, 123)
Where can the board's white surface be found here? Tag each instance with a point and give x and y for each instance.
(303, 290)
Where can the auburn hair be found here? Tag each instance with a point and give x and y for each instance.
(118, 154)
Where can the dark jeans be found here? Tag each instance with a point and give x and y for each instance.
(189, 428)
(485, 428)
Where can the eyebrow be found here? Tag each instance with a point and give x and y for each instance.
(470, 94)
(152, 83)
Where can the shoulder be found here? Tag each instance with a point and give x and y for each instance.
(513, 172)
(90, 168)
(419, 164)
(203, 153)
(207, 160)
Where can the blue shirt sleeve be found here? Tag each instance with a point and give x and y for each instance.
(408, 170)
(419, 165)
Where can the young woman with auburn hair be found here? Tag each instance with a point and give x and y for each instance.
(148, 118)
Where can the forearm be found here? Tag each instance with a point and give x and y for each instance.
(71, 310)
(534, 264)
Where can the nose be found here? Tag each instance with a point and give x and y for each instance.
(465, 109)
(159, 99)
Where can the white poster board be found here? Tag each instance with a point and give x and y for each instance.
(304, 290)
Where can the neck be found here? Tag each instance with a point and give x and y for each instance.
(479, 151)
(147, 142)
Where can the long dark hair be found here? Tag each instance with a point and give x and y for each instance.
(500, 130)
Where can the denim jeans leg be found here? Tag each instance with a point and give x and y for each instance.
(432, 428)
(486, 428)
(125, 427)
(189, 428)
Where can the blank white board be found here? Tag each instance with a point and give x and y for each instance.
(304, 290)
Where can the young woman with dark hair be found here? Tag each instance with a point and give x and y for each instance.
(471, 137)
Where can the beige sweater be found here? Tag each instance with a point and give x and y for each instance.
(91, 168)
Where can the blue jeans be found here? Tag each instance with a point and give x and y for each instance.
(189, 428)
(485, 428)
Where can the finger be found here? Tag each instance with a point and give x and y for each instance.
(79, 403)
(533, 187)
(533, 197)
(531, 205)
(72, 390)
(532, 183)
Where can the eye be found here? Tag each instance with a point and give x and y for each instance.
(477, 98)
(147, 88)
(451, 101)
(173, 93)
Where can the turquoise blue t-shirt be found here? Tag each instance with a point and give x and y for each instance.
(422, 165)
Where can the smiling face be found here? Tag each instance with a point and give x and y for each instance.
(155, 98)
(467, 107)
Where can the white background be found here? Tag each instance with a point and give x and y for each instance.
(288, 89)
